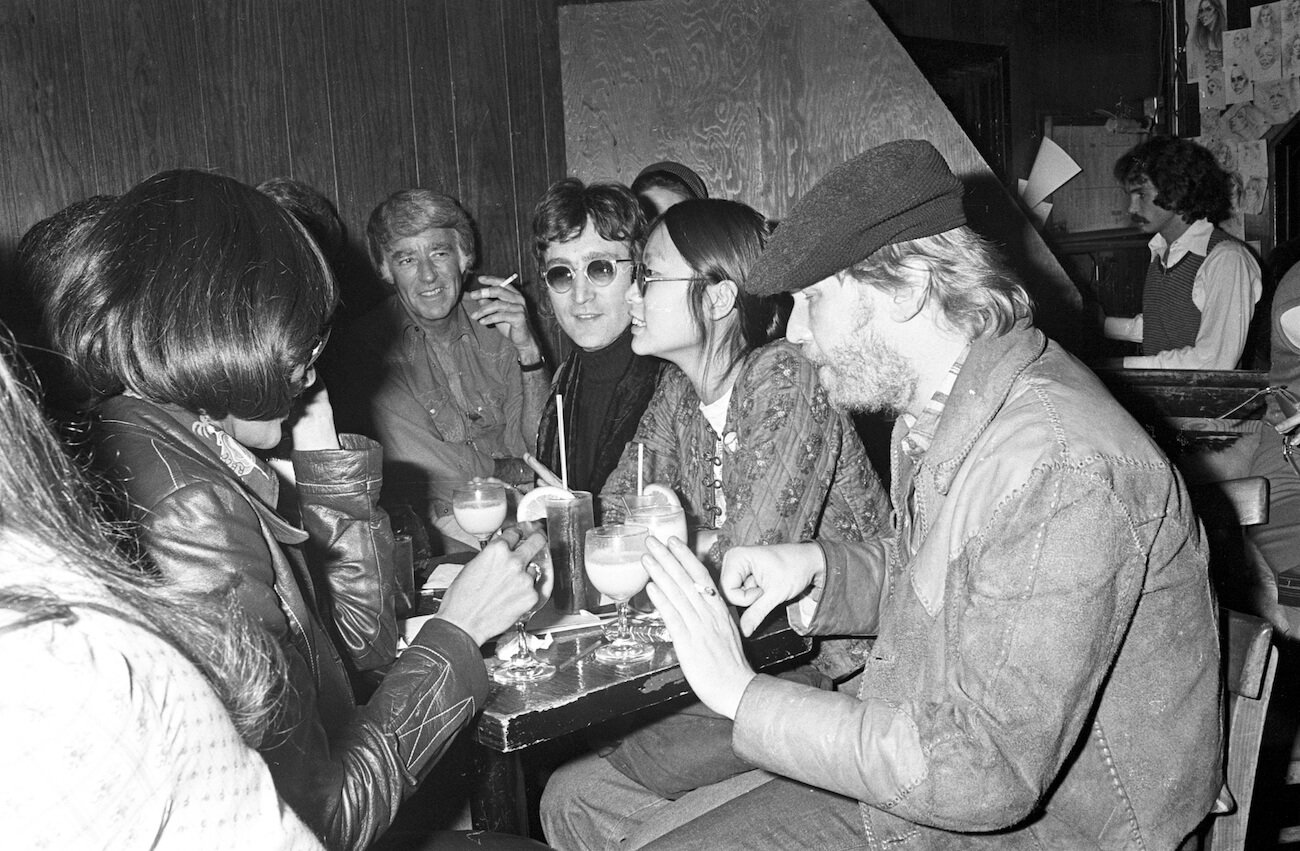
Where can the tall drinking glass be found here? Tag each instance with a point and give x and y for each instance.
(480, 509)
(664, 520)
(524, 666)
(614, 566)
(567, 522)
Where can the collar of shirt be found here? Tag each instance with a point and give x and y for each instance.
(921, 429)
(1195, 239)
(457, 326)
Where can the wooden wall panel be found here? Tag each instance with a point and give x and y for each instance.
(483, 147)
(531, 45)
(355, 97)
(146, 104)
(432, 100)
(42, 83)
(242, 81)
(370, 102)
(762, 98)
(45, 146)
(304, 72)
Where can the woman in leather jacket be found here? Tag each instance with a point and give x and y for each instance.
(197, 307)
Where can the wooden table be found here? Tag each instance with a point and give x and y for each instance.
(583, 693)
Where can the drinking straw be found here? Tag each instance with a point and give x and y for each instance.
(640, 469)
(564, 455)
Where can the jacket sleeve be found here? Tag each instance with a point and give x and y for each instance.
(350, 545)
(1034, 613)
(348, 786)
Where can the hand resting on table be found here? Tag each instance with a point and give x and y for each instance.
(700, 623)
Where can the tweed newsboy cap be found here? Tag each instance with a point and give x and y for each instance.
(892, 193)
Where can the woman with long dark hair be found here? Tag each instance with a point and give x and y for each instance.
(197, 306)
(741, 429)
(129, 712)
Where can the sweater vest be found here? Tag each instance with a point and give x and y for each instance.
(1170, 319)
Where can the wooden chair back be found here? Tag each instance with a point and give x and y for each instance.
(1249, 663)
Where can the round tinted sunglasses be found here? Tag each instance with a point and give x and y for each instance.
(560, 277)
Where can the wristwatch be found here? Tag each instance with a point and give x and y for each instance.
(532, 367)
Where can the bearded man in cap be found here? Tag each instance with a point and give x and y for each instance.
(1046, 667)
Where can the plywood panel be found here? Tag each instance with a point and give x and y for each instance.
(146, 104)
(762, 98)
(483, 148)
(243, 89)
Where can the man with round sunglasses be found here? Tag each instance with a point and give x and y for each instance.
(584, 239)
(448, 377)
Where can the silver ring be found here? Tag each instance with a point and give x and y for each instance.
(706, 590)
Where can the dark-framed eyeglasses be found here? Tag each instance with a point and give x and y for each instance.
(560, 277)
(643, 279)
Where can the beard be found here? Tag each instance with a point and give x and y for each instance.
(865, 373)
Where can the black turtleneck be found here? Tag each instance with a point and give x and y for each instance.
(598, 375)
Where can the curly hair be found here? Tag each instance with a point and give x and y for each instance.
(569, 204)
(1186, 176)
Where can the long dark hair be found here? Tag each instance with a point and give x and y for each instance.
(195, 290)
(45, 508)
(721, 240)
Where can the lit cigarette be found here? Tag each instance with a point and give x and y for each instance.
(510, 280)
(543, 472)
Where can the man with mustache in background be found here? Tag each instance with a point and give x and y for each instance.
(1202, 284)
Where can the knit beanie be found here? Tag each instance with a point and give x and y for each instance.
(679, 171)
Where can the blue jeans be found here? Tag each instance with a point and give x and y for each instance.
(588, 805)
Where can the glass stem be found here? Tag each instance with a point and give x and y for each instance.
(524, 653)
(624, 631)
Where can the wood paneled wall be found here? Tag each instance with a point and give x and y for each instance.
(356, 97)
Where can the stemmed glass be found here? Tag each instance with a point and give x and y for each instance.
(480, 508)
(524, 666)
(613, 556)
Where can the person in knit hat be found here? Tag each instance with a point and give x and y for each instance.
(660, 185)
(1046, 667)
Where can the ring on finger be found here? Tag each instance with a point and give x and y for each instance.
(706, 590)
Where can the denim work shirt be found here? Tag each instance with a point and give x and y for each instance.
(443, 408)
(1047, 660)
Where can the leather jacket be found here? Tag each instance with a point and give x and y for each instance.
(1046, 671)
(343, 768)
